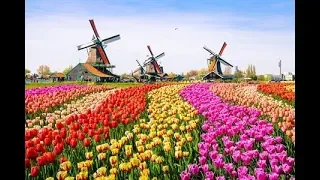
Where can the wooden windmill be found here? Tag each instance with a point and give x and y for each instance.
(153, 69)
(214, 64)
(97, 56)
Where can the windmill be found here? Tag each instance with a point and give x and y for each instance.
(214, 64)
(97, 56)
(153, 69)
(139, 74)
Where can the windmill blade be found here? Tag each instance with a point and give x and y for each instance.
(147, 61)
(150, 50)
(94, 28)
(138, 63)
(157, 67)
(87, 45)
(110, 39)
(224, 62)
(159, 56)
(222, 48)
(211, 52)
(103, 55)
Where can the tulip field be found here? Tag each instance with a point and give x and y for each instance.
(211, 131)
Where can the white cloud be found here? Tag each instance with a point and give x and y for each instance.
(52, 40)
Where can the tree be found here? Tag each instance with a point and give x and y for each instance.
(238, 74)
(202, 72)
(193, 73)
(26, 71)
(67, 70)
(124, 75)
(227, 70)
(260, 78)
(251, 72)
(171, 75)
(44, 70)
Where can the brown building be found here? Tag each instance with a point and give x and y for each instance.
(57, 77)
(87, 72)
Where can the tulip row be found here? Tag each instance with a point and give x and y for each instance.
(77, 133)
(279, 90)
(51, 89)
(89, 101)
(247, 95)
(235, 144)
(44, 102)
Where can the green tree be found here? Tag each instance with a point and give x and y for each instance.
(238, 74)
(67, 70)
(260, 78)
(26, 71)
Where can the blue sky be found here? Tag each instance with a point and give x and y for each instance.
(257, 32)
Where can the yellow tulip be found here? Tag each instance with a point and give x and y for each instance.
(178, 154)
(140, 149)
(113, 171)
(65, 166)
(165, 169)
(62, 174)
(143, 178)
(185, 154)
(69, 178)
(142, 165)
(89, 155)
(113, 160)
(102, 156)
(135, 162)
(49, 178)
(115, 151)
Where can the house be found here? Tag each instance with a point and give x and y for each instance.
(57, 77)
(87, 72)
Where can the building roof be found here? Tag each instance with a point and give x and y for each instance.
(94, 71)
(60, 75)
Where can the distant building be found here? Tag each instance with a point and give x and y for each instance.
(86, 72)
(57, 77)
(288, 76)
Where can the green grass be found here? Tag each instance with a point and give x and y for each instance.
(118, 85)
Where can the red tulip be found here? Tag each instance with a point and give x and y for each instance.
(31, 153)
(97, 138)
(73, 142)
(27, 163)
(47, 141)
(34, 171)
(41, 161)
(113, 124)
(86, 142)
(29, 144)
(81, 135)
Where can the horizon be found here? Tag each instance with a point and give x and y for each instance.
(256, 32)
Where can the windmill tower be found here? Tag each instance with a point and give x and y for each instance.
(97, 56)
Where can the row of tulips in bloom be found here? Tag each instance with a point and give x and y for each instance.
(51, 89)
(68, 139)
(46, 101)
(161, 143)
(283, 91)
(277, 111)
(235, 144)
(88, 102)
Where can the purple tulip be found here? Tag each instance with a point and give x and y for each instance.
(205, 168)
(286, 168)
(185, 175)
(290, 161)
(260, 174)
(273, 176)
(209, 175)
(263, 155)
(236, 156)
(220, 178)
(202, 160)
(218, 162)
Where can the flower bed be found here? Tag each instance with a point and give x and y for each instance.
(89, 101)
(75, 135)
(44, 102)
(247, 95)
(235, 143)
